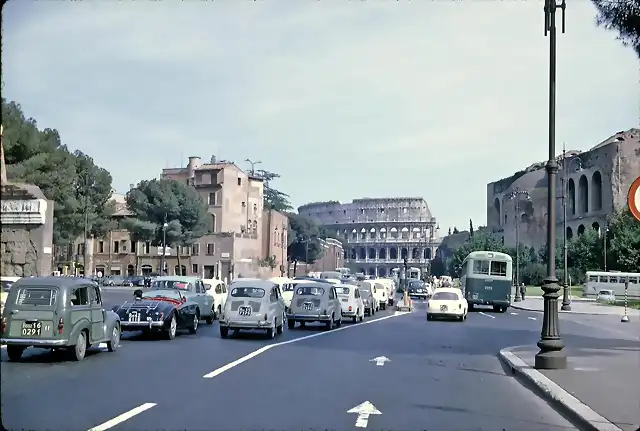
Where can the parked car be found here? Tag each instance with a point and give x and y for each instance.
(165, 309)
(606, 296)
(134, 280)
(315, 302)
(368, 300)
(57, 313)
(193, 289)
(350, 302)
(253, 304)
(447, 302)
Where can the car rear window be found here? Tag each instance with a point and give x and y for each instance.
(247, 292)
(37, 296)
(445, 296)
(342, 290)
(309, 290)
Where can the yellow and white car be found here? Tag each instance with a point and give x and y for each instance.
(217, 291)
(447, 302)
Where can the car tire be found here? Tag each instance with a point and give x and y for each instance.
(356, 317)
(330, 324)
(170, 332)
(271, 332)
(194, 326)
(280, 328)
(339, 322)
(224, 332)
(15, 352)
(79, 351)
(210, 318)
(429, 317)
(114, 341)
(291, 324)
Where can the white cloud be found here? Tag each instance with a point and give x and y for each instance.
(343, 99)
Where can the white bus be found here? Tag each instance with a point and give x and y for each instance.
(600, 280)
(413, 273)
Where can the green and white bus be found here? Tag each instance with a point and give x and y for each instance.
(485, 279)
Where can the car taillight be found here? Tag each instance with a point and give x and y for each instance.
(60, 326)
(350, 308)
(4, 324)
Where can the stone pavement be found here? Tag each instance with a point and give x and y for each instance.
(599, 390)
(577, 307)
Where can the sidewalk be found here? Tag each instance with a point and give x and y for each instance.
(599, 389)
(577, 307)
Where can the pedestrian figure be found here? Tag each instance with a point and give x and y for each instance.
(523, 290)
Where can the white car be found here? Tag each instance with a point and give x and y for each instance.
(351, 302)
(447, 302)
(217, 290)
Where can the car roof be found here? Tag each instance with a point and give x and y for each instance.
(314, 284)
(53, 281)
(186, 278)
(448, 289)
(252, 282)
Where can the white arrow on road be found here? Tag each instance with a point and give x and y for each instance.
(363, 411)
(380, 360)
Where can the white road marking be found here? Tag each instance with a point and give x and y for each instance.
(514, 314)
(123, 417)
(531, 318)
(485, 314)
(363, 411)
(400, 313)
(589, 369)
(261, 350)
(380, 360)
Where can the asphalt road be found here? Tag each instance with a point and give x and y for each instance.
(441, 376)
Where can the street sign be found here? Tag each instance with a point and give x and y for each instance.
(633, 200)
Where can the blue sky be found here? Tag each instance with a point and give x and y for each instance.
(343, 99)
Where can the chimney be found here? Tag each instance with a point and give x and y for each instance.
(3, 168)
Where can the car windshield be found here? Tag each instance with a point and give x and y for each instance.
(365, 292)
(170, 284)
(343, 291)
(247, 292)
(445, 296)
(288, 287)
(162, 293)
(605, 292)
(416, 285)
(310, 290)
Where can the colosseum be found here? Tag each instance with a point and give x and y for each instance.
(379, 233)
(596, 183)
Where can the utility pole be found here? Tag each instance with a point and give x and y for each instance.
(566, 303)
(516, 194)
(253, 165)
(551, 355)
(604, 242)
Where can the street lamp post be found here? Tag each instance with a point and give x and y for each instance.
(164, 245)
(253, 165)
(551, 354)
(86, 225)
(516, 194)
(566, 303)
(604, 243)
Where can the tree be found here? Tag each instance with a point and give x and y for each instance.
(303, 240)
(585, 253)
(449, 232)
(273, 199)
(455, 230)
(625, 242)
(622, 16)
(470, 227)
(156, 202)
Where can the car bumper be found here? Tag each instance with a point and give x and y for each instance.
(309, 317)
(438, 313)
(241, 324)
(34, 342)
(136, 326)
(348, 313)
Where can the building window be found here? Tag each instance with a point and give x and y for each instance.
(213, 198)
(124, 246)
(211, 249)
(213, 223)
(254, 227)
(100, 246)
(244, 204)
(116, 246)
(195, 249)
(194, 268)
(80, 249)
(133, 246)
(147, 248)
(239, 181)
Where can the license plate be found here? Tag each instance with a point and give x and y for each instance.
(134, 317)
(443, 308)
(31, 329)
(307, 306)
(244, 311)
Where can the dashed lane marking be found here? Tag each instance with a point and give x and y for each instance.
(531, 318)
(485, 314)
(123, 417)
(251, 355)
(513, 314)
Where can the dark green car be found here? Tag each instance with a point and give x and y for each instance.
(63, 313)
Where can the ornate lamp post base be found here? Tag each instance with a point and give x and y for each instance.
(566, 304)
(551, 355)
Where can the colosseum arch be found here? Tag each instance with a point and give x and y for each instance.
(393, 233)
(404, 233)
(583, 195)
(404, 252)
(372, 253)
(596, 226)
(426, 253)
(372, 233)
(354, 234)
(382, 253)
(596, 191)
(415, 253)
(572, 196)
(362, 253)
(354, 253)
(580, 229)
(382, 272)
(363, 233)
(569, 233)
(393, 253)
(372, 272)
(496, 216)
(383, 233)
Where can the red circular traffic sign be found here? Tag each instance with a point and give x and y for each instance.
(633, 200)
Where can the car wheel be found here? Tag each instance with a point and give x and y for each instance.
(15, 352)
(194, 326)
(171, 330)
(330, 324)
(429, 317)
(114, 341)
(280, 327)
(271, 332)
(291, 324)
(224, 332)
(362, 317)
(210, 318)
(356, 317)
(80, 349)
(339, 322)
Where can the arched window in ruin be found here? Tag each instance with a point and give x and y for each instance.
(572, 197)
(569, 233)
(372, 272)
(382, 253)
(404, 233)
(404, 252)
(345, 253)
(372, 253)
(596, 191)
(363, 233)
(580, 229)
(361, 271)
(497, 212)
(583, 195)
(382, 272)
(383, 233)
(596, 226)
(393, 233)
(362, 253)
(353, 253)
(372, 233)
(415, 253)
(354, 234)
(415, 233)
(393, 253)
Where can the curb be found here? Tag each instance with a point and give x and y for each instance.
(575, 410)
(584, 313)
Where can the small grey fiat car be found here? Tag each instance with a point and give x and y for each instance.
(314, 302)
